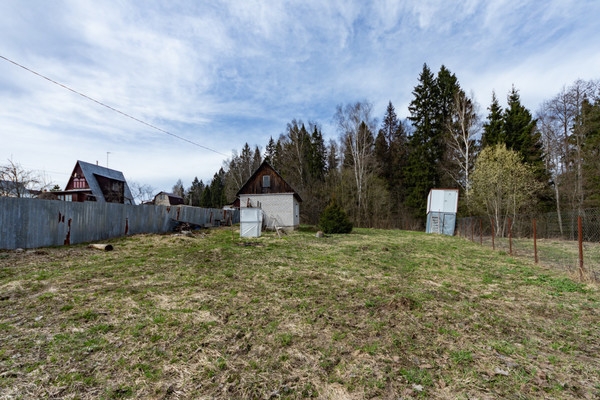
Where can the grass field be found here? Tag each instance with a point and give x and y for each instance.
(374, 314)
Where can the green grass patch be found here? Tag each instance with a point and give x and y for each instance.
(372, 314)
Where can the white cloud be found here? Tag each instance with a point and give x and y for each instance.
(229, 72)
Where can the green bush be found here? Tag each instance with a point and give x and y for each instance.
(334, 220)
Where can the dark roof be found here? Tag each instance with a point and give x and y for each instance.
(170, 195)
(91, 170)
(260, 170)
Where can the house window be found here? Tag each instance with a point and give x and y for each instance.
(266, 181)
(79, 182)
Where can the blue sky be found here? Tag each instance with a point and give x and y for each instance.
(223, 73)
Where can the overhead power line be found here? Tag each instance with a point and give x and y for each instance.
(111, 108)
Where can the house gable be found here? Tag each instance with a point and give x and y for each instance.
(93, 182)
(266, 180)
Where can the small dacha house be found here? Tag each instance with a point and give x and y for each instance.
(91, 182)
(167, 199)
(267, 190)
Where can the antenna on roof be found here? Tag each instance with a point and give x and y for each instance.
(107, 153)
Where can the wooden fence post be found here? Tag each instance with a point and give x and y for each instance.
(493, 234)
(580, 239)
(535, 252)
(510, 236)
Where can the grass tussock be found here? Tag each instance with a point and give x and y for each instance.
(373, 314)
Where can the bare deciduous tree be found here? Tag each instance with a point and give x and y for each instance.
(16, 181)
(463, 127)
(356, 126)
(563, 133)
(141, 192)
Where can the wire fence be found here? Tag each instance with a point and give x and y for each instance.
(569, 241)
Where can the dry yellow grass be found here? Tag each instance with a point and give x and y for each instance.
(373, 314)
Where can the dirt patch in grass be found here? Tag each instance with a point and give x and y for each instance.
(373, 314)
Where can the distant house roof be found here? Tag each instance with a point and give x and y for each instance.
(172, 198)
(254, 185)
(93, 172)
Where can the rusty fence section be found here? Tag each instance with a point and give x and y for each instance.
(32, 223)
(569, 241)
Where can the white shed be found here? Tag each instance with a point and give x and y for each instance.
(442, 206)
(251, 220)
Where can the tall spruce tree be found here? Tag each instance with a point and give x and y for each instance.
(521, 134)
(217, 189)
(447, 89)
(517, 130)
(390, 152)
(493, 131)
(421, 169)
(194, 193)
(590, 121)
(271, 152)
(317, 157)
(430, 111)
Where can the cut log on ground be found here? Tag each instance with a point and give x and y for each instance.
(105, 247)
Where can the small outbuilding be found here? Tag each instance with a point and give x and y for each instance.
(442, 206)
(279, 202)
(251, 220)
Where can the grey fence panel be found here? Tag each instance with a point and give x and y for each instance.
(30, 223)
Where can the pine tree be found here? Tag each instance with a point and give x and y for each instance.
(447, 89)
(206, 198)
(333, 157)
(217, 189)
(590, 124)
(270, 152)
(520, 131)
(430, 111)
(194, 193)
(390, 152)
(390, 126)
(493, 130)
(517, 130)
(256, 159)
(317, 158)
(382, 155)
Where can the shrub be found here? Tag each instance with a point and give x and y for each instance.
(334, 219)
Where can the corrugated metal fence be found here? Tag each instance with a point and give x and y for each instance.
(31, 223)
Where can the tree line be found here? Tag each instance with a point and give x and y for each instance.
(510, 161)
